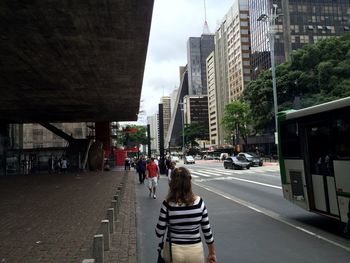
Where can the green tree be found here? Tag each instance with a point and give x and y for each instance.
(315, 74)
(138, 137)
(131, 135)
(192, 133)
(236, 120)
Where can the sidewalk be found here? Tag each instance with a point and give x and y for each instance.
(53, 218)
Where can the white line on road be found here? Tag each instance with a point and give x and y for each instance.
(207, 174)
(269, 213)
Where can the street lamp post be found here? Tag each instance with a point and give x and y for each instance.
(271, 19)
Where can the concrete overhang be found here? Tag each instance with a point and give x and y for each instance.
(72, 60)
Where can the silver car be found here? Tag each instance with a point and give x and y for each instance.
(236, 163)
(254, 159)
(189, 159)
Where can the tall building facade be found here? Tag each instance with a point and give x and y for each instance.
(174, 140)
(173, 96)
(196, 112)
(198, 49)
(165, 100)
(154, 132)
(232, 61)
(301, 22)
(212, 107)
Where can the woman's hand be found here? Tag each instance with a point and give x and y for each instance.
(212, 254)
(211, 258)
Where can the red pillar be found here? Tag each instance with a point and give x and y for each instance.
(103, 134)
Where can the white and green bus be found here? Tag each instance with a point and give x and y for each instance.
(314, 157)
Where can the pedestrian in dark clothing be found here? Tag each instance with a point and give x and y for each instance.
(141, 169)
(167, 164)
(127, 164)
(51, 165)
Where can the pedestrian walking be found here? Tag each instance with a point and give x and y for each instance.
(171, 168)
(152, 175)
(183, 213)
(141, 169)
(58, 165)
(64, 165)
(51, 165)
(127, 164)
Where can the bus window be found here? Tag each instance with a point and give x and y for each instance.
(343, 137)
(319, 149)
(290, 142)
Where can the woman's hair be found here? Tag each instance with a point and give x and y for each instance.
(180, 188)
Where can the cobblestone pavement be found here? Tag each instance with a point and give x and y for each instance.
(53, 218)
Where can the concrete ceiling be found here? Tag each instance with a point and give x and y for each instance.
(72, 60)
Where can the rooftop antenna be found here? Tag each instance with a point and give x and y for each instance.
(206, 30)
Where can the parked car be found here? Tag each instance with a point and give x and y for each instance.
(189, 159)
(234, 162)
(251, 157)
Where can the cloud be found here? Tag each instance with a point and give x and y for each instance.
(173, 23)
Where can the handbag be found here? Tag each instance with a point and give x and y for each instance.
(160, 257)
(160, 245)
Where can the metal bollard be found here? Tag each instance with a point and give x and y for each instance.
(114, 205)
(106, 235)
(116, 198)
(110, 217)
(98, 249)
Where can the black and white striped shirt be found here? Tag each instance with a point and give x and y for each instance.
(185, 221)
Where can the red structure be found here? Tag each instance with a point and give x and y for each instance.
(121, 154)
(103, 134)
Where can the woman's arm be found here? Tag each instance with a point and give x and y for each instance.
(162, 221)
(212, 253)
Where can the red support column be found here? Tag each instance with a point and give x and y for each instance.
(103, 134)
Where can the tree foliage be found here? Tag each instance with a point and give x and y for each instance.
(140, 137)
(315, 74)
(237, 119)
(192, 133)
(132, 139)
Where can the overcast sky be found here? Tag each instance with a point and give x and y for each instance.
(173, 23)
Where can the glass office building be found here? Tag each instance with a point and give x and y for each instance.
(301, 22)
(198, 49)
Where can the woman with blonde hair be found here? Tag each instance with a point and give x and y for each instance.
(184, 213)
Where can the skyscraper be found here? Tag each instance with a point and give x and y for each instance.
(165, 100)
(198, 49)
(196, 112)
(301, 22)
(212, 107)
(232, 63)
(153, 122)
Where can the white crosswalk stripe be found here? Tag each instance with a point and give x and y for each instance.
(217, 173)
(210, 174)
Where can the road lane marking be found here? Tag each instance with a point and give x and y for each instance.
(270, 214)
(208, 174)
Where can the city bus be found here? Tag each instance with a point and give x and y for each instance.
(314, 157)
